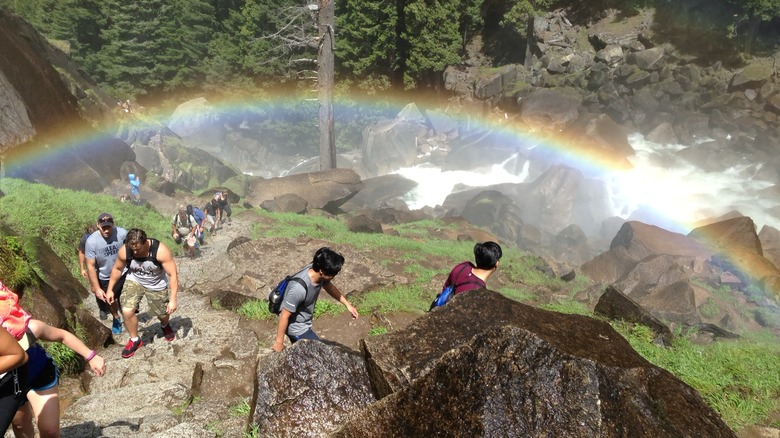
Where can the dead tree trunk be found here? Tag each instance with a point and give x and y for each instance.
(325, 84)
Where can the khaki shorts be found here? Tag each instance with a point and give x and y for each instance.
(157, 300)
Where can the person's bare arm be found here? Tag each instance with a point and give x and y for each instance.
(92, 274)
(169, 264)
(333, 291)
(82, 264)
(43, 331)
(281, 329)
(11, 353)
(116, 273)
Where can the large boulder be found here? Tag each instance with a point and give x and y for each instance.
(47, 102)
(551, 109)
(615, 305)
(309, 389)
(521, 371)
(379, 191)
(392, 144)
(496, 212)
(738, 250)
(199, 125)
(326, 190)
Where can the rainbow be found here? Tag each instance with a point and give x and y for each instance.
(668, 206)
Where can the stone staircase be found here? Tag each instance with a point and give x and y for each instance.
(198, 385)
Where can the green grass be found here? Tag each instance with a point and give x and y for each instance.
(58, 216)
(256, 309)
(570, 307)
(379, 330)
(68, 361)
(739, 379)
(241, 409)
(407, 298)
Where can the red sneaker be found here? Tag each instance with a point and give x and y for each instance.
(130, 348)
(168, 333)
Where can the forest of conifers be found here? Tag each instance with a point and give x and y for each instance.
(143, 48)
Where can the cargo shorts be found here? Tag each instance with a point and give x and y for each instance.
(157, 300)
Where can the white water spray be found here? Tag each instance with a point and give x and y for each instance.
(674, 195)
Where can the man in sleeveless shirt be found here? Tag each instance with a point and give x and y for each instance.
(151, 272)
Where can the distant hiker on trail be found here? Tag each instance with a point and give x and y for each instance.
(100, 250)
(135, 188)
(88, 230)
(212, 213)
(200, 217)
(295, 319)
(224, 207)
(465, 276)
(184, 229)
(151, 272)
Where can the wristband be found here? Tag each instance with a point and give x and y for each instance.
(91, 356)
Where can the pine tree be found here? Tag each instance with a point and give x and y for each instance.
(133, 45)
(367, 38)
(185, 33)
(431, 32)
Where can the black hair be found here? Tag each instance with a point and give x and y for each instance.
(136, 235)
(487, 255)
(189, 209)
(327, 261)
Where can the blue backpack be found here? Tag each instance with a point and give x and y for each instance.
(276, 296)
(444, 296)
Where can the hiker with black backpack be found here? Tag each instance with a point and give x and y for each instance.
(151, 273)
(466, 276)
(301, 293)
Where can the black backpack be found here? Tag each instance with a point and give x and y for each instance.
(153, 247)
(276, 296)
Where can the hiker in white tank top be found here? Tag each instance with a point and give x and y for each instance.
(152, 274)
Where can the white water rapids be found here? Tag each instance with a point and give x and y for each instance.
(674, 196)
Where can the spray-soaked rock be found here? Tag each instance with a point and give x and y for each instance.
(394, 362)
(484, 365)
(513, 382)
(309, 389)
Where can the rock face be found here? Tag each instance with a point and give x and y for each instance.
(484, 365)
(43, 119)
(324, 190)
(309, 389)
(392, 144)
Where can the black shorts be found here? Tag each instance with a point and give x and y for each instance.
(117, 287)
(13, 394)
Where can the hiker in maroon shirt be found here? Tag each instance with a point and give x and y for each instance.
(465, 276)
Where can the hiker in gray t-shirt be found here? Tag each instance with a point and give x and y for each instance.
(100, 252)
(295, 319)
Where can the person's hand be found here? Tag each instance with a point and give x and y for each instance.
(108, 297)
(100, 294)
(83, 272)
(98, 366)
(278, 346)
(353, 310)
(171, 307)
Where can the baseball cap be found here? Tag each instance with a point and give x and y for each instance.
(105, 219)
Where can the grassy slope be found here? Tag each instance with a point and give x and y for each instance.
(738, 378)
